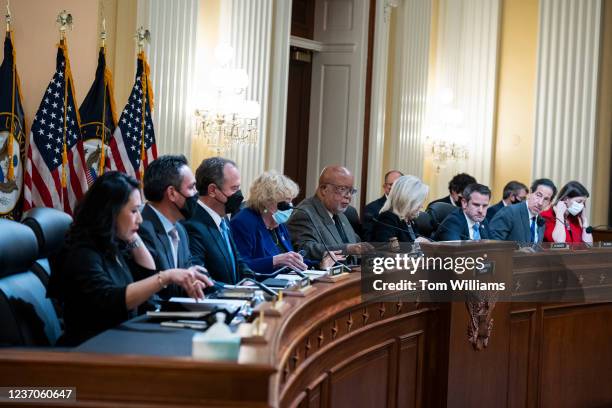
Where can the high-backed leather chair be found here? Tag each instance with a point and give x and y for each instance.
(438, 212)
(49, 226)
(424, 224)
(27, 316)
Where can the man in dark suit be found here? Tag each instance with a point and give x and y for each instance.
(371, 210)
(521, 222)
(467, 223)
(318, 223)
(210, 238)
(169, 187)
(514, 192)
(455, 189)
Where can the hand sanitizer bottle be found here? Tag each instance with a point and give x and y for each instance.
(217, 343)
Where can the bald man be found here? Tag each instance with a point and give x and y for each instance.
(318, 224)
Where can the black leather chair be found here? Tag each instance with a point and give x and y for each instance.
(424, 224)
(438, 212)
(49, 226)
(27, 316)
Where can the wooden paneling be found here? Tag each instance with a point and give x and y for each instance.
(518, 374)
(363, 380)
(302, 18)
(576, 353)
(410, 371)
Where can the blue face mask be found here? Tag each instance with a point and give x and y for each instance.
(282, 217)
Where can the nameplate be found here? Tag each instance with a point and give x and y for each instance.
(487, 269)
(559, 245)
(336, 270)
(303, 282)
(605, 245)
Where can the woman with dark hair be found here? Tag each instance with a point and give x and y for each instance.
(567, 221)
(92, 273)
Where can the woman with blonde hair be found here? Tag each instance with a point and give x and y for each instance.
(403, 205)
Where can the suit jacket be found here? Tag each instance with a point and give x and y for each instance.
(447, 200)
(511, 223)
(353, 217)
(254, 241)
(91, 285)
(387, 225)
(310, 226)
(156, 240)
(491, 211)
(208, 248)
(455, 228)
(371, 211)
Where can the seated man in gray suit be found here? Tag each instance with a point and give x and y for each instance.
(169, 187)
(521, 222)
(318, 224)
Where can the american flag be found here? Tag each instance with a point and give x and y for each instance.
(128, 153)
(56, 177)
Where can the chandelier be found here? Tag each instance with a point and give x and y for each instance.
(225, 117)
(446, 138)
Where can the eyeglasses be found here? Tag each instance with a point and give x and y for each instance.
(284, 206)
(343, 190)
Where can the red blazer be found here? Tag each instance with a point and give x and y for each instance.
(573, 234)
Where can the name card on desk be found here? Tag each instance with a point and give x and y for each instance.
(605, 245)
(559, 245)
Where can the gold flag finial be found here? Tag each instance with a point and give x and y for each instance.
(103, 32)
(142, 35)
(7, 17)
(64, 21)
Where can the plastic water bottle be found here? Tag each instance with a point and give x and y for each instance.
(217, 343)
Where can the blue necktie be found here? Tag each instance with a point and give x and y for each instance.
(532, 228)
(225, 231)
(476, 229)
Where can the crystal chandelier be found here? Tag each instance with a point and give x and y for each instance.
(225, 117)
(446, 138)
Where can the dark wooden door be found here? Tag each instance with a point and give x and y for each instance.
(298, 113)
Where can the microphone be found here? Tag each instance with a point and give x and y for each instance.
(442, 227)
(589, 230)
(289, 268)
(261, 286)
(411, 233)
(314, 225)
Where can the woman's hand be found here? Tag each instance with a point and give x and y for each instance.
(330, 259)
(192, 280)
(560, 208)
(583, 215)
(291, 259)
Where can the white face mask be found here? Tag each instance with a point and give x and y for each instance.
(575, 208)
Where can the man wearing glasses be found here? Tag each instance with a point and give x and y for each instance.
(318, 224)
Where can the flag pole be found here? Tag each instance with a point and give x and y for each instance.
(142, 35)
(11, 137)
(103, 135)
(64, 19)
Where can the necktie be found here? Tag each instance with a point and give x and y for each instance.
(340, 228)
(476, 228)
(225, 231)
(174, 240)
(532, 229)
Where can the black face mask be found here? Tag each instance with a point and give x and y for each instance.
(233, 202)
(189, 207)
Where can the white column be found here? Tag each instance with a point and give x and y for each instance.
(247, 26)
(171, 56)
(378, 103)
(468, 32)
(566, 100)
(277, 124)
(411, 77)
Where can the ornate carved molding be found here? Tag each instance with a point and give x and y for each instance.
(481, 323)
